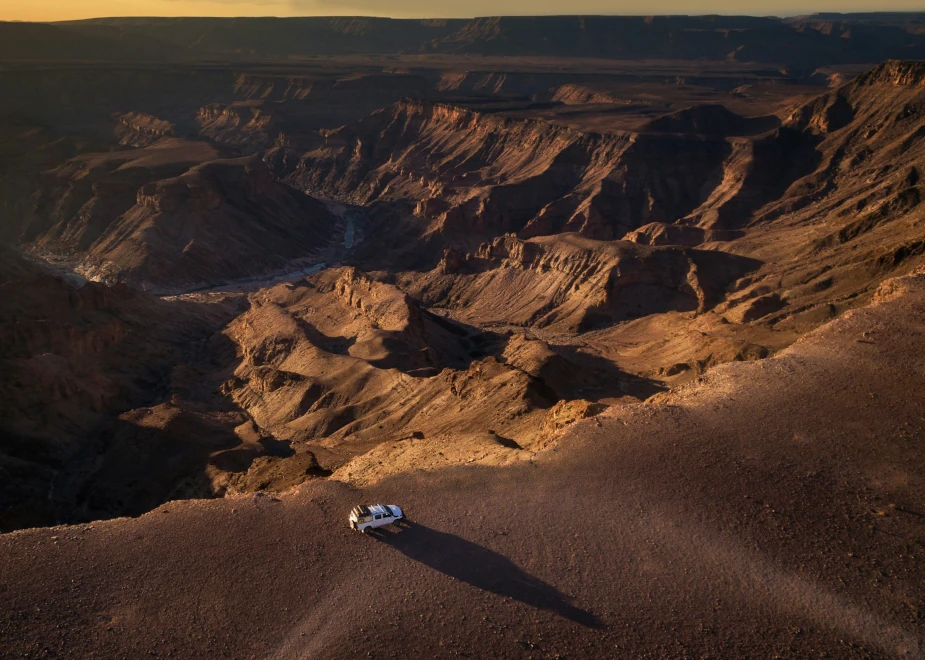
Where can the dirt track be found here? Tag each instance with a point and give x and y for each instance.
(774, 509)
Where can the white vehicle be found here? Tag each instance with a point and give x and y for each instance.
(365, 517)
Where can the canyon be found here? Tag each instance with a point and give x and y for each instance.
(512, 271)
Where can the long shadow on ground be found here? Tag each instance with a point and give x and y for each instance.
(482, 568)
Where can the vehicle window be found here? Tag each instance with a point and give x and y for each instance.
(378, 516)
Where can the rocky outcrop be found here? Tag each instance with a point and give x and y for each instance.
(581, 95)
(897, 73)
(243, 125)
(565, 413)
(138, 129)
(353, 372)
(343, 362)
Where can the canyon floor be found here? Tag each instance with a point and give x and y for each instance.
(634, 340)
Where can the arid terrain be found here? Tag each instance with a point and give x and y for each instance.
(631, 328)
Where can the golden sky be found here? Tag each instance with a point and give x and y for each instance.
(49, 10)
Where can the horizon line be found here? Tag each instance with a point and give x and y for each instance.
(464, 18)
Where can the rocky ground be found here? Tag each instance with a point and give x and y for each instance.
(770, 508)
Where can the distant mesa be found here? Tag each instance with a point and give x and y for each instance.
(812, 41)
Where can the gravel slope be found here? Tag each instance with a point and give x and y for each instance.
(771, 508)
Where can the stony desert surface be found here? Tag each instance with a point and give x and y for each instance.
(771, 508)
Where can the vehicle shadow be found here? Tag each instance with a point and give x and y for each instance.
(482, 568)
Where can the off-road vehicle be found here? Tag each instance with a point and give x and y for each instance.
(364, 517)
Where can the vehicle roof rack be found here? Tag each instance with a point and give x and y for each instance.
(361, 510)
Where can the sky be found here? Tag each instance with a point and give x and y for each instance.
(51, 10)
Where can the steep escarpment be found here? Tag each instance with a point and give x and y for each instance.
(897, 73)
(77, 201)
(74, 357)
(244, 125)
(832, 200)
(174, 215)
(838, 147)
(218, 221)
(476, 175)
(568, 283)
(26, 151)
